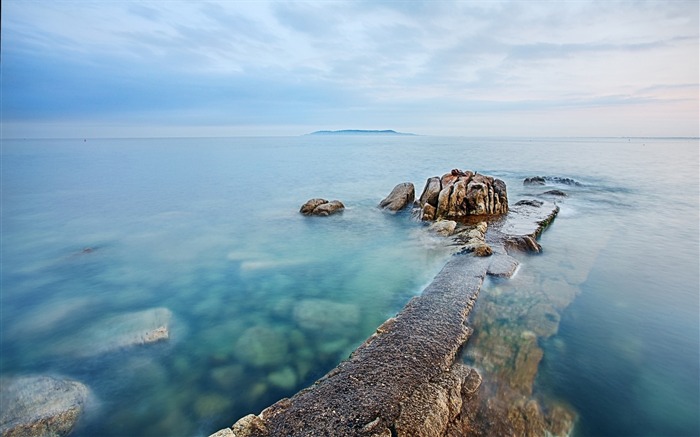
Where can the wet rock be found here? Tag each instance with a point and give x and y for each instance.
(558, 193)
(503, 266)
(543, 180)
(443, 227)
(459, 194)
(260, 346)
(400, 197)
(321, 207)
(326, 316)
(40, 406)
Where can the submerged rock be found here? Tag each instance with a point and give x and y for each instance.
(118, 332)
(40, 406)
(321, 207)
(542, 180)
(400, 197)
(261, 346)
(326, 316)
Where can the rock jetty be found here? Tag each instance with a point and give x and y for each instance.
(407, 379)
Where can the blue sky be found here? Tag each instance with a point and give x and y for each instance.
(223, 68)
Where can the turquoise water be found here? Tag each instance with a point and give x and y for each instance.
(264, 301)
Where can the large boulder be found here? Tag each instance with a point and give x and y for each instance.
(400, 197)
(459, 194)
(321, 207)
(40, 406)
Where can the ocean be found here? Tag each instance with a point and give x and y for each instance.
(102, 234)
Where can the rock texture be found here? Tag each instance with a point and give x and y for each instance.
(400, 197)
(460, 194)
(321, 207)
(407, 378)
(34, 406)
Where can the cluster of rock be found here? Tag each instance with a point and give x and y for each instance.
(542, 180)
(459, 194)
(44, 405)
(321, 207)
(407, 379)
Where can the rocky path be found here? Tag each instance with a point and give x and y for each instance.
(406, 379)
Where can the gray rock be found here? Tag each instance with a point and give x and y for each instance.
(40, 406)
(400, 197)
(260, 346)
(118, 332)
(326, 316)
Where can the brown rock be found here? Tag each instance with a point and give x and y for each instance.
(400, 197)
(321, 207)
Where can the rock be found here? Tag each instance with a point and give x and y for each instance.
(558, 193)
(503, 266)
(260, 346)
(326, 316)
(118, 332)
(443, 227)
(459, 194)
(285, 378)
(427, 213)
(321, 207)
(226, 432)
(211, 404)
(249, 426)
(535, 180)
(400, 197)
(542, 180)
(431, 191)
(40, 406)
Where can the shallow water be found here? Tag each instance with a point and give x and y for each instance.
(209, 229)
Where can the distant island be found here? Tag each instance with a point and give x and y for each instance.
(358, 132)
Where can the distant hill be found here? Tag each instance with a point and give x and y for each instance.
(358, 132)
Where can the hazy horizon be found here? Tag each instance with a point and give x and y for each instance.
(83, 69)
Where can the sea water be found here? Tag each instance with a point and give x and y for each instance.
(263, 301)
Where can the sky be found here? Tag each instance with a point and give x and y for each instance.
(118, 68)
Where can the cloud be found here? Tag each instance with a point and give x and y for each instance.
(368, 62)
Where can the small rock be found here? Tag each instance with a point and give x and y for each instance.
(443, 227)
(321, 207)
(559, 193)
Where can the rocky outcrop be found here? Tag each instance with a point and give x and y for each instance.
(460, 194)
(321, 207)
(34, 406)
(407, 379)
(400, 197)
(543, 180)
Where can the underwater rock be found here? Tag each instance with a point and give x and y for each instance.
(558, 193)
(118, 332)
(40, 406)
(321, 207)
(400, 197)
(459, 194)
(284, 378)
(260, 346)
(326, 316)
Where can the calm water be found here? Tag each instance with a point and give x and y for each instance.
(263, 301)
